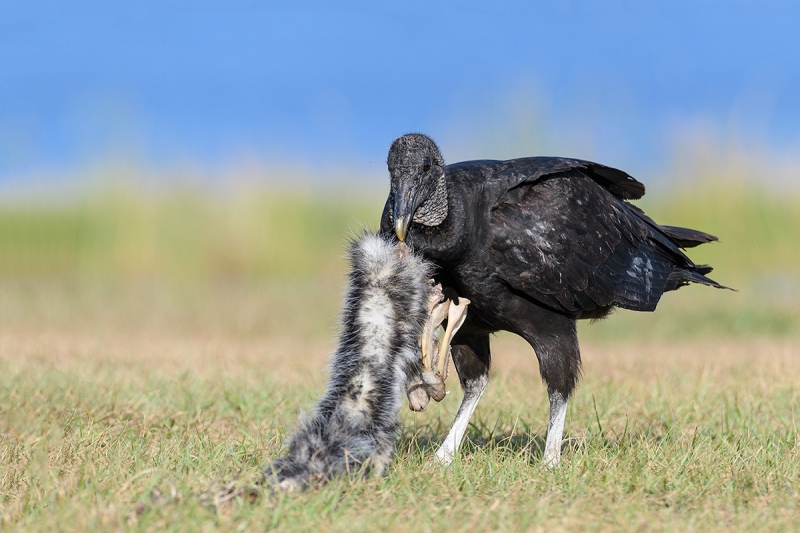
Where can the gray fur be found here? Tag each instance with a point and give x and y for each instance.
(354, 425)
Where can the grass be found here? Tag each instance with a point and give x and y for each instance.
(757, 255)
(270, 262)
(153, 435)
(155, 351)
(181, 236)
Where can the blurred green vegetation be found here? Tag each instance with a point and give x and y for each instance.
(181, 236)
(758, 254)
(287, 247)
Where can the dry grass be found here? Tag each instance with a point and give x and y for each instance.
(169, 432)
(155, 353)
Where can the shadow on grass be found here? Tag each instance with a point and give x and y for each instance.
(522, 440)
(425, 440)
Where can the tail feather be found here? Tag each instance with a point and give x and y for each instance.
(703, 269)
(687, 238)
(681, 276)
(682, 237)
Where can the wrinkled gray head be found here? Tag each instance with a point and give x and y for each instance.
(414, 151)
(416, 168)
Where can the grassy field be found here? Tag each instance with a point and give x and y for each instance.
(156, 350)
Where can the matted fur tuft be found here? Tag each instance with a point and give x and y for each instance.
(354, 425)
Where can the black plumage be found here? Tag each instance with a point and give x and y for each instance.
(536, 244)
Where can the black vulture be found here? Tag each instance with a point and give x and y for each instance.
(535, 243)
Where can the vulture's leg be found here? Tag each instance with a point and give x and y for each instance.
(555, 429)
(556, 346)
(471, 358)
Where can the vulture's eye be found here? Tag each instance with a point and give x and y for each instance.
(426, 166)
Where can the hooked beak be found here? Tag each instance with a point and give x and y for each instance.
(400, 227)
(403, 209)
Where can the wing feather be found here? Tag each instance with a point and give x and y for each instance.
(506, 175)
(572, 245)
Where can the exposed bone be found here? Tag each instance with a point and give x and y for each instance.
(418, 390)
(437, 311)
(435, 354)
(456, 315)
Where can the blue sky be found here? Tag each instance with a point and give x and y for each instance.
(327, 85)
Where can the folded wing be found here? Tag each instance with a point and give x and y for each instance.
(570, 243)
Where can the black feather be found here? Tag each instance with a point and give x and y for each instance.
(536, 243)
(687, 238)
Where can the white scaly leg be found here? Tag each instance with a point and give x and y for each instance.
(472, 395)
(555, 430)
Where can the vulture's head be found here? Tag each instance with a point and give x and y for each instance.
(418, 184)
